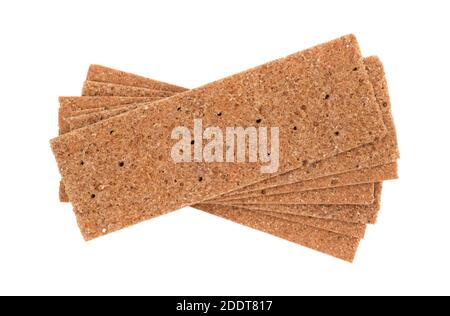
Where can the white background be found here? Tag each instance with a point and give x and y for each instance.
(45, 49)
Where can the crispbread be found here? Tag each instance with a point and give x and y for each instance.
(107, 75)
(72, 148)
(363, 214)
(360, 194)
(69, 105)
(355, 230)
(372, 175)
(367, 213)
(93, 88)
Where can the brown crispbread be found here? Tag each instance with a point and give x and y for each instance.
(94, 88)
(355, 230)
(80, 121)
(63, 197)
(363, 214)
(334, 180)
(107, 75)
(360, 194)
(69, 105)
(336, 226)
(372, 175)
(77, 145)
(73, 104)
